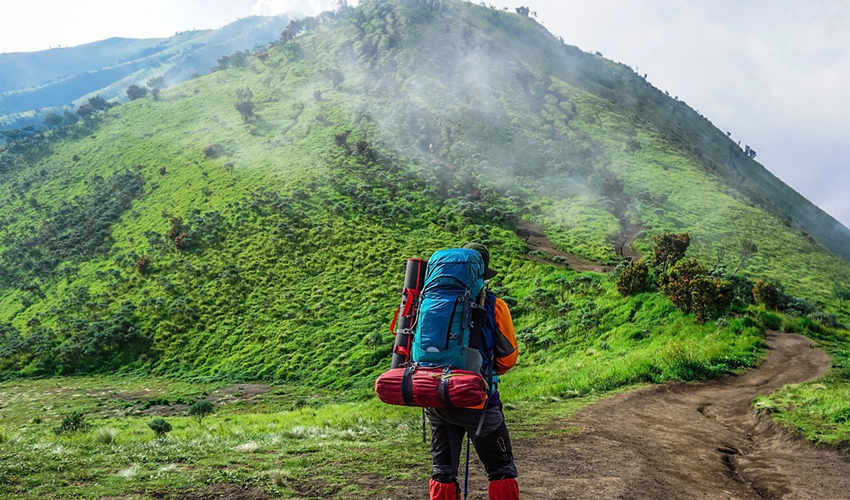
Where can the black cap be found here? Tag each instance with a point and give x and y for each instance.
(485, 256)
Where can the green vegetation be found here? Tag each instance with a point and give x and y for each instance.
(253, 225)
(200, 409)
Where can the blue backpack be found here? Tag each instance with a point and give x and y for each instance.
(446, 332)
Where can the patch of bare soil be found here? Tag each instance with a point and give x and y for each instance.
(237, 392)
(624, 243)
(536, 240)
(224, 395)
(683, 441)
(217, 492)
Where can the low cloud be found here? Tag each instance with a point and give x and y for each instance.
(772, 73)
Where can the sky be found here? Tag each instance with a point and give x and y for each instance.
(774, 73)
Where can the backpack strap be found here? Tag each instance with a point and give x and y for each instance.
(443, 387)
(407, 384)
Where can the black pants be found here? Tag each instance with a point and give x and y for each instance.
(448, 427)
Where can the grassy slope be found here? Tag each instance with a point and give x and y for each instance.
(283, 274)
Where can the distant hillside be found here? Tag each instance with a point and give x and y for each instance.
(254, 222)
(35, 83)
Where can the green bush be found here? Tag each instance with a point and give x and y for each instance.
(160, 427)
(766, 294)
(200, 409)
(633, 279)
(72, 423)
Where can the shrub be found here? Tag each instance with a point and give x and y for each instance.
(633, 279)
(692, 290)
(199, 410)
(159, 427)
(135, 92)
(183, 242)
(245, 104)
(742, 288)
(72, 423)
(143, 264)
(245, 109)
(211, 150)
(766, 294)
(669, 249)
(826, 319)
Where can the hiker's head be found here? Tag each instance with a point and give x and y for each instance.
(485, 256)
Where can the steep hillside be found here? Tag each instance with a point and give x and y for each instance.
(33, 84)
(254, 223)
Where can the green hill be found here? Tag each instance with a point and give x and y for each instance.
(174, 237)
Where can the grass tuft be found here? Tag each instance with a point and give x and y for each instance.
(104, 436)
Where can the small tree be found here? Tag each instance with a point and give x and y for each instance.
(669, 249)
(53, 121)
(156, 84)
(748, 249)
(200, 409)
(160, 427)
(86, 111)
(135, 92)
(691, 289)
(100, 104)
(245, 104)
(176, 227)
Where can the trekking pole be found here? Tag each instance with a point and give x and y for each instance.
(423, 425)
(466, 474)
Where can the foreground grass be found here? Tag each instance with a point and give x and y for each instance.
(311, 452)
(291, 442)
(294, 442)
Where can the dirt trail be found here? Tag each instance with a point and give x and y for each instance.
(536, 240)
(685, 441)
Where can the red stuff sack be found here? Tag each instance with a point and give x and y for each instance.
(431, 387)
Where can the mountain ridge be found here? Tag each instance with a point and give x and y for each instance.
(266, 239)
(108, 66)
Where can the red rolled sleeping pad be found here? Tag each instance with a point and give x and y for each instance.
(432, 387)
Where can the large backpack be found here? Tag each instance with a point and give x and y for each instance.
(449, 322)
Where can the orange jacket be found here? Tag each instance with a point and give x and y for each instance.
(506, 347)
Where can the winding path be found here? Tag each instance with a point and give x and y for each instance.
(686, 441)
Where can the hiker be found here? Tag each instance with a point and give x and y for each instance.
(431, 148)
(492, 442)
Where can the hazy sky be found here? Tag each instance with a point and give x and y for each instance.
(775, 73)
